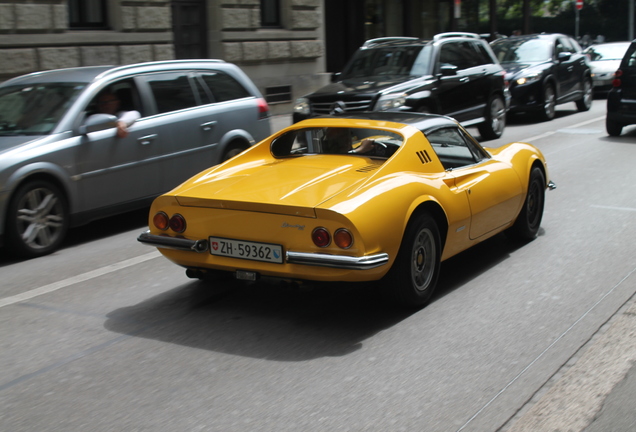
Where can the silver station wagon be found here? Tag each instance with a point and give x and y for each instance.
(64, 160)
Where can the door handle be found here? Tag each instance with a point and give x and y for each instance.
(145, 140)
(208, 126)
(464, 79)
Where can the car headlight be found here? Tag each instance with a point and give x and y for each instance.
(528, 79)
(302, 106)
(390, 101)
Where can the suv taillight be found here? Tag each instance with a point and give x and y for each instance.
(617, 78)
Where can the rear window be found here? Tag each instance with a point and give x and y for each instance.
(334, 140)
(630, 57)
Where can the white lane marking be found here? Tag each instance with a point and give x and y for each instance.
(614, 208)
(77, 279)
(547, 134)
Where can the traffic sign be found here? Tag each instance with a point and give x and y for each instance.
(579, 4)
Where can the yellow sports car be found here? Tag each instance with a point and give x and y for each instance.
(379, 196)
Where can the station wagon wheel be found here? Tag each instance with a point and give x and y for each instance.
(495, 122)
(549, 103)
(613, 127)
(585, 103)
(232, 150)
(414, 274)
(37, 220)
(526, 227)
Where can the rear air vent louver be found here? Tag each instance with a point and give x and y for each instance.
(424, 157)
(368, 168)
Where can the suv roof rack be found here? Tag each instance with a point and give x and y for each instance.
(456, 34)
(376, 41)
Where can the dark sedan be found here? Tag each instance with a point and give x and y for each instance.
(545, 70)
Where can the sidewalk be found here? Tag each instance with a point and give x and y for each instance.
(598, 393)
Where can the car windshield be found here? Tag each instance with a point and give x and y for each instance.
(35, 109)
(403, 61)
(335, 140)
(522, 50)
(606, 52)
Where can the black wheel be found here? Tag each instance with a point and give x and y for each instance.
(613, 127)
(585, 103)
(549, 103)
(495, 122)
(414, 274)
(37, 219)
(526, 227)
(232, 150)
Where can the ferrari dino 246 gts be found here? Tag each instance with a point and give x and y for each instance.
(379, 196)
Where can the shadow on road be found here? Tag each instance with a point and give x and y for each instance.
(283, 322)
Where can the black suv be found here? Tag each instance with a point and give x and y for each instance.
(545, 70)
(455, 74)
(621, 100)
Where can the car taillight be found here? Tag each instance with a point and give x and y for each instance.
(616, 82)
(321, 237)
(177, 223)
(161, 221)
(343, 238)
(263, 108)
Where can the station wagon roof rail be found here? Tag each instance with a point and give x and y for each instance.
(377, 41)
(456, 34)
(124, 68)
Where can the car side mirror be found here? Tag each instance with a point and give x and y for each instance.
(448, 70)
(336, 77)
(98, 122)
(564, 56)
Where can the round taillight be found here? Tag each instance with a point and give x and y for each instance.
(161, 221)
(343, 238)
(177, 223)
(321, 237)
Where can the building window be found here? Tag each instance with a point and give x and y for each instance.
(87, 14)
(270, 13)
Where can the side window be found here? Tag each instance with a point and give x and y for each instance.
(567, 45)
(125, 94)
(450, 54)
(483, 55)
(630, 57)
(172, 91)
(223, 87)
(454, 148)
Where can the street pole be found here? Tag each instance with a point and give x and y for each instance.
(576, 25)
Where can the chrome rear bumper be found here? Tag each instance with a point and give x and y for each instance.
(303, 258)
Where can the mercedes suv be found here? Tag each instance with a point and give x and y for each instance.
(455, 74)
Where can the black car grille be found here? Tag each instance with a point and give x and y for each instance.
(349, 106)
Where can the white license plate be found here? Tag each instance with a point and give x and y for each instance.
(246, 250)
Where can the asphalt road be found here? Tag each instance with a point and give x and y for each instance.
(106, 335)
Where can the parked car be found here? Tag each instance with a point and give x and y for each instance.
(61, 163)
(545, 70)
(455, 74)
(621, 99)
(605, 59)
(365, 197)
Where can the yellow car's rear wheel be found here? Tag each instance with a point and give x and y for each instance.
(414, 274)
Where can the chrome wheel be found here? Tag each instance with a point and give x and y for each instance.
(585, 103)
(423, 260)
(38, 219)
(495, 122)
(549, 103)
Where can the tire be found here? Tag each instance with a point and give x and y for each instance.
(232, 150)
(495, 122)
(413, 277)
(549, 103)
(585, 103)
(613, 127)
(37, 219)
(526, 226)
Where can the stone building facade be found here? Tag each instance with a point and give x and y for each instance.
(285, 60)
